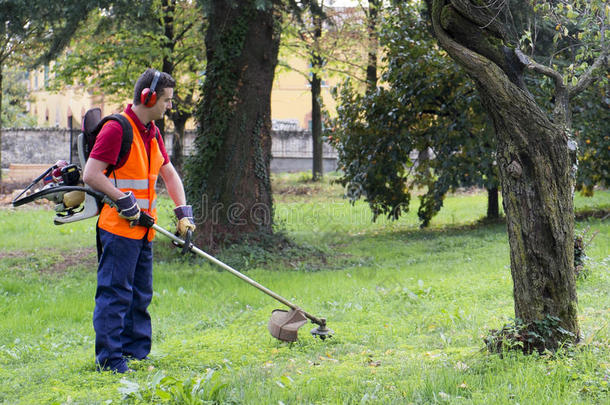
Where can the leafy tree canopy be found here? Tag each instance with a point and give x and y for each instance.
(428, 104)
(116, 46)
(339, 47)
(423, 127)
(569, 37)
(34, 31)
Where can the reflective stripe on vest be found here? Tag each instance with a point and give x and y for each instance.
(139, 175)
(143, 204)
(132, 184)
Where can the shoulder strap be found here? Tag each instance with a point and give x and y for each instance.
(157, 132)
(126, 140)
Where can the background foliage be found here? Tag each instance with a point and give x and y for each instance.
(569, 36)
(15, 96)
(425, 103)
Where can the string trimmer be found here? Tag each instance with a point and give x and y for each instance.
(283, 325)
(75, 202)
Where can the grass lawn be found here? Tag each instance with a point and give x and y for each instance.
(409, 309)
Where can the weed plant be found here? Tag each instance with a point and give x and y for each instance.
(409, 309)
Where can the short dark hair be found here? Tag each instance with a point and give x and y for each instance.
(145, 81)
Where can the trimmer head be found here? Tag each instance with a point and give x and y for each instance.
(284, 325)
(322, 331)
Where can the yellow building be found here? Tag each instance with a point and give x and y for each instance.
(52, 109)
(291, 95)
(290, 99)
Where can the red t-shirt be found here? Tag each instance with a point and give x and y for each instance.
(108, 141)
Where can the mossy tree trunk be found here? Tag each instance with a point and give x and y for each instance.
(227, 178)
(537, 185)
(534, 163)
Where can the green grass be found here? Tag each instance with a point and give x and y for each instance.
(409, 308)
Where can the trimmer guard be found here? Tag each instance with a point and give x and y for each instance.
(93, 202)
(284, 325)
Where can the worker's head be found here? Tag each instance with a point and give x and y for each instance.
(151, 86)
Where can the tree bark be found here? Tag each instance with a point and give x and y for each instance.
(536, 182)
(227, 178)
(316, 108)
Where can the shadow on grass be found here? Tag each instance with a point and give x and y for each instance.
(281, 252)
(481, 228)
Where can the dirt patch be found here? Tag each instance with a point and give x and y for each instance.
(7, 199)
(86, 257)
(53, 261)
(295, 190)
(8, 186)
(10, 190)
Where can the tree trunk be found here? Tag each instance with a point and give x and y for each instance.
(167, 23)
(493, 203)
(178, 144)
(169, 8)
(371, 67)
(537, 197)
(316, 108)
(1, 186)
(316, 129)
(536, 181)
(227, 178)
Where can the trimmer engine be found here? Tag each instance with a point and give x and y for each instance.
(61, 184)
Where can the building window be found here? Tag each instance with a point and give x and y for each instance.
(46, 76)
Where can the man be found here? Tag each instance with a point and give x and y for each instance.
(124, 277)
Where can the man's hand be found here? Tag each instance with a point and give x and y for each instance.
(127, 206)
(184, 213)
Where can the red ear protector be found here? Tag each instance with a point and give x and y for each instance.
(148, 97)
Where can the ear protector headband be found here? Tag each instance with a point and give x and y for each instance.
(148, 97)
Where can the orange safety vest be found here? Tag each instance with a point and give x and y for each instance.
(139, 175)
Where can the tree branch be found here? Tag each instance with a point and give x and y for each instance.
(305, 74)
(487, 17)
(537, 67)
(183, 32)
(586, 79)
(471, 60)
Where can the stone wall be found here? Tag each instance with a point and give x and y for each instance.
(291, 150)
(35, 146)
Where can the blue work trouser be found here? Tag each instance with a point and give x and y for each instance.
(124, 291)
